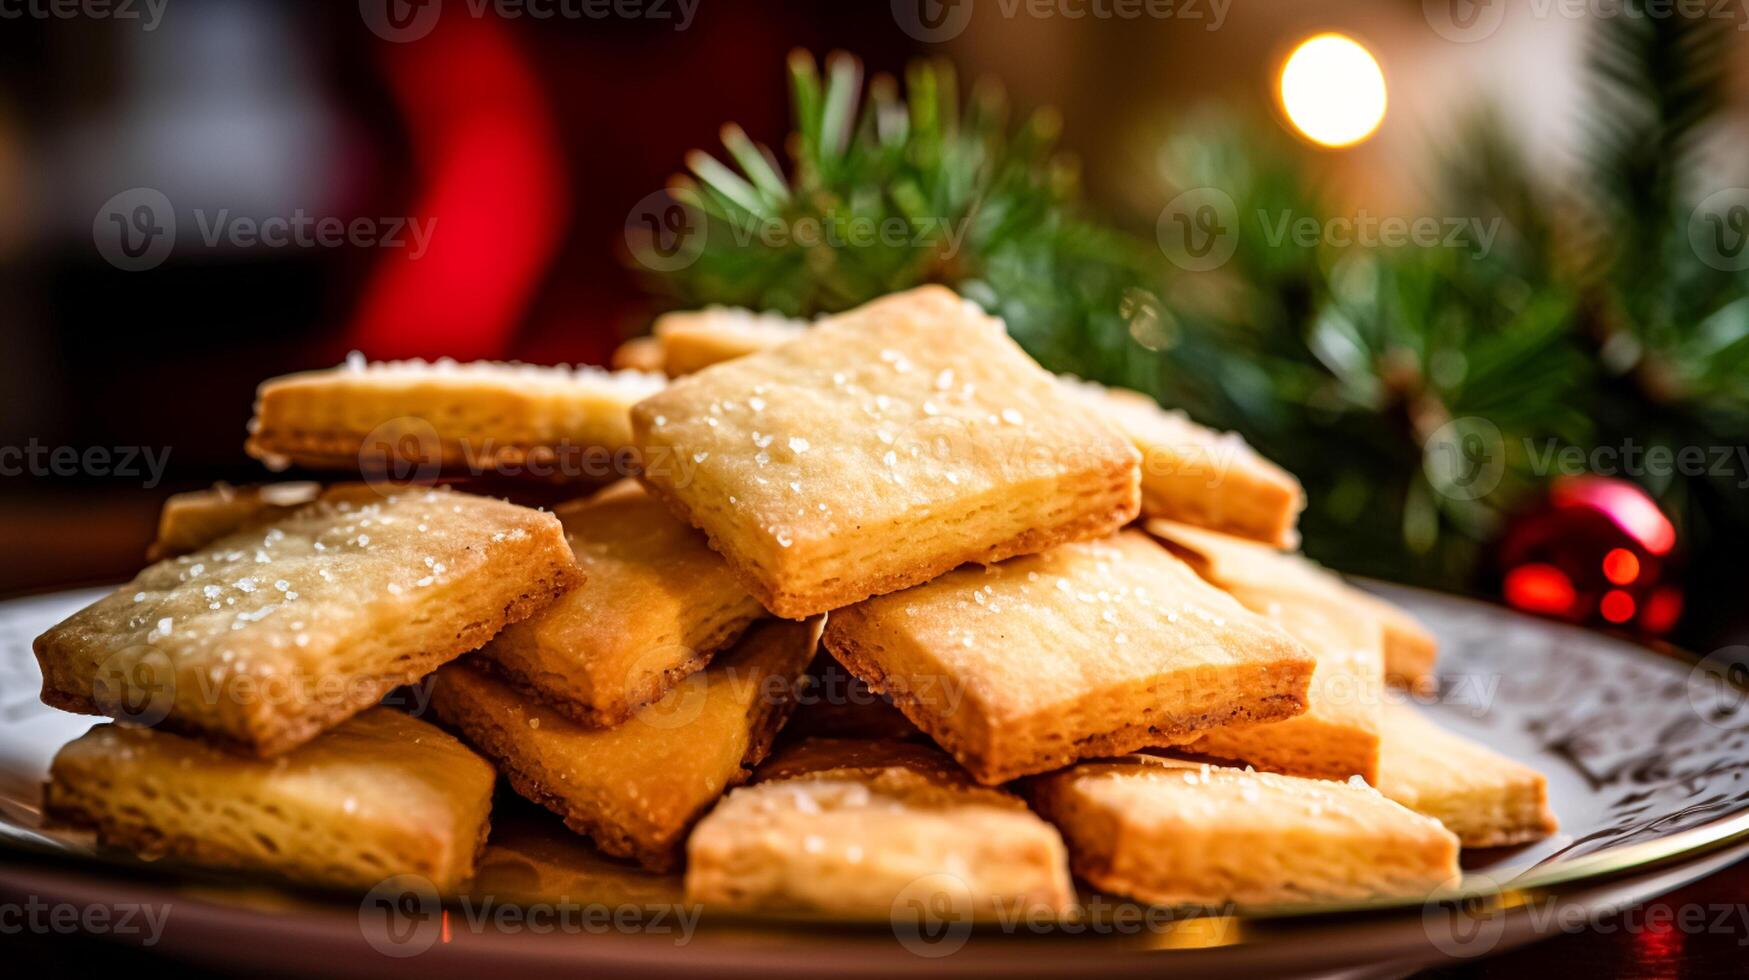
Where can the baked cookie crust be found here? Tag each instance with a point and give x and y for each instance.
(379, 795)
(1199, 476)
(858, 829)
(883, 448)
(1338, 736)
(269, 636)
(636, 788)
(1089, 649)
(1410, 648)
(656, 605)
(412, 415)
(190, 521)
(693, 340)
(1485, 798)
(1182, 833)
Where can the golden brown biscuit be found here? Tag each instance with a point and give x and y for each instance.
(1485, 798)
(271, 635)
(656, 604)
(480, 416)
(1338, 736)
(190, 520)
(1200, 476)
(1089, 649)
(695, 339)
(532, 857)
(639, 354)
(825, 758)
(636, 788)
(1179, 833)
(1410, 648)
(860, 828)
(380, 794)
(883, 448)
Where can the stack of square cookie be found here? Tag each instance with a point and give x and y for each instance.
(245, 672)
(1076, 601)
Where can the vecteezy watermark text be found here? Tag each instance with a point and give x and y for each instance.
(402, 916)
(303, 230)
(1633, 459)
(1468, 21)
(664, 234)
(33, 915)
(147, 13)
(1200, 229)
(136, 230)
(404, 21)
(1466, 459)
(935, 21)
(145, 463)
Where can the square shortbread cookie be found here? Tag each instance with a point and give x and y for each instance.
(1200, 476)
(1179, 833)
(414, 419)
(266, 637)
(695, 339)
(883, 448)
(657, 603)
(637, 787)
(189, 521)
(1338, 736)
(1088, 649)
(1410, 648)
(379, 795)
(638, 354)
(532, 857)
(1485, 798)
(858, 829)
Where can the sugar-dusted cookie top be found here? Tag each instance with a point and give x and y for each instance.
(1198, 475)
(862, 828)
(271, 634)
(1090, 648)
(1177, 832)
(881, 448)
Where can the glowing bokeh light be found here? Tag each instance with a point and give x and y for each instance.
(1333, 90)
(1617, 606)
(1621, 566)
(1540, 588)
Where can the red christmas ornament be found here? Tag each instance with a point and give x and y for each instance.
(1595, 552)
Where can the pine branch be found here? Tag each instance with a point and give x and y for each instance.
(1656, 85)
(990, 209)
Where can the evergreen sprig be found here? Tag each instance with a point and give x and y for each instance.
(989, 208)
